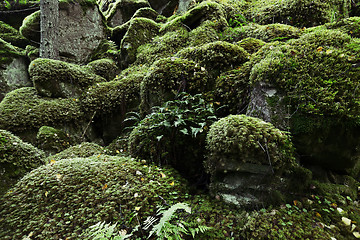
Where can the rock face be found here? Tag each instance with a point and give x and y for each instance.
(16, 159)
(246, 159)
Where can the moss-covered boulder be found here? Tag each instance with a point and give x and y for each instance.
(23, 110)
(52, 140)
(63, 198)
(164, 7)
(169, 76)
(251, 45)
(120, 12)
(105, 68)
(16, 159)
(12, 36)
(54, 78)
(350, 26)
(246, 153)
(140, 31)
(296, 12)
(146, 12)
(82, 150)
(309, 85)
(30, 27)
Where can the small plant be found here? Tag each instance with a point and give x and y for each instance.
(103, 231)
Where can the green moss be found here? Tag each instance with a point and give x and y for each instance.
(207, 32)
(62, 199)
(52, 140)
(243, 139)
(169, 76)
(105, 68)
(251, 45)
(53, 78)
(106, 49)
(146, 12)
(216, 56)
(132, 39)
(163, 46)
(121, 93)
(350, 26)
(30, 27)
(127, 9)
(83, 150)
(296, 12)
(32, 52)
(12, 36)
(8, 53)
(266, 33)
(16, 159)
(23, 109)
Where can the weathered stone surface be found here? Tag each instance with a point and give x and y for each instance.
(16, 159)
(54, 78)
(121, 11)
(80, 31)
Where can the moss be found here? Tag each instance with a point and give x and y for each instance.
(30, 27)
(8, 53)
(106, 49)
(132, 39)
(52, 140)
(16, 159)
(121, 93)
(23, 109)
(169, 76)
(266, 33)
(251, 45)
(62, 199)
(232, 90)
(163, 46)
(296, 12)
(125, 9)
(207, 32)
(83, 150)
(105, 68)
(243, 139)
(350, 26)
(32, 52)
(216, 56)
(53, 78)
(146, 12)
(12, 36)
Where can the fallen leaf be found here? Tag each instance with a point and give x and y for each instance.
(104, 187)
(137, 208)
(52, 161)
(346, 221)
(319, 49)
(356, 234)
(163, 175)
(172, 183)
(46, 193)
(58, 177)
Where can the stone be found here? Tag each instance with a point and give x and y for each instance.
(30, 28)
(52, 140)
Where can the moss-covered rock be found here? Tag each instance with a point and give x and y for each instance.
(169, 76)
(105, 68)
(54, 78)
(251, 45)
(350, 26)
(12, 36)
(23, 110)
(120, 12)
(16, 159)
(52, 140)
(83, 150)
(146, 12)
(140, 31)
(266, 33)
(216, 56)
(30, 27)
(32, 52)
(65, 197)
(296, 12)
(207, 32)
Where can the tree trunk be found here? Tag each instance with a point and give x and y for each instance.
(48, 25)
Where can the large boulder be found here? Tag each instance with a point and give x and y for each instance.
(309, 86)
(16, 159)
(63, 198)
(247, 158)
(54, 78)
(13, 69)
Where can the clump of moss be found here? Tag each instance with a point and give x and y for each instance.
(132, 39)
(169, 76)
(30, 27)
(246, 139)
(65, 197)
(16, 159)
(251, 45)
(207, 32)
(83, 150)
(23, 109)
(12, 36)
(146, 12)
(54, 78)
(8, 53)
(266, 33)
(52, 140)
(216, 56)
(106, 49)
(350, 26)
(105, 68)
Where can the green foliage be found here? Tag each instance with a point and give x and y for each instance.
(103, 231)
(170, 126)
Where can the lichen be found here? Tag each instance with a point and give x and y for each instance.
(65, 197)
(249, 140)
(23, 109)
(16, 159)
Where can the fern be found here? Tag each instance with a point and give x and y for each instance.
(103, 231)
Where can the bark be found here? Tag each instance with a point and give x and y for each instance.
(48, 25)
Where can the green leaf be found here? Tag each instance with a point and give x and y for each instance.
(184, 131)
